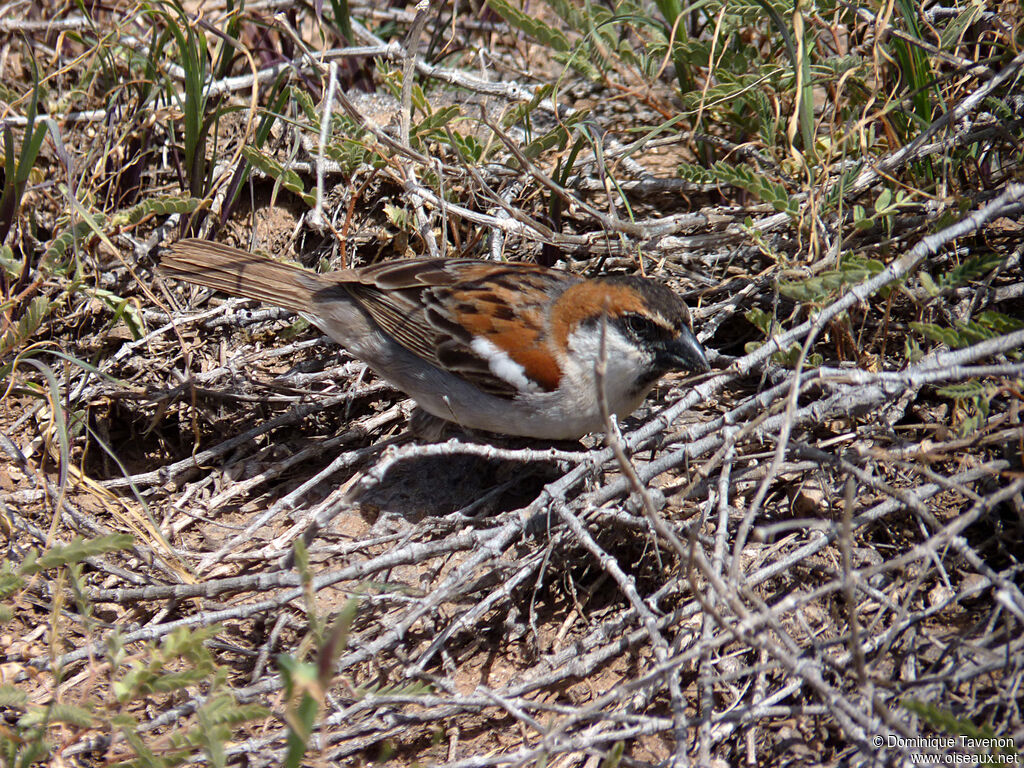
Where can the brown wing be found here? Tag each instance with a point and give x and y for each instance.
(503, 320)
(392, 293)
(449, 310)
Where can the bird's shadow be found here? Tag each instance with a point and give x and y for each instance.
(476, 486)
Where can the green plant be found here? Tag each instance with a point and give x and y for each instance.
(192, 54)
(306, 684)
(963, 273)
(964, 333)
(885, 209)
(789, 358)
(828, 284)
(18, 165)
(746, 178)
(180, 662)
(971, 404)
(286, 177)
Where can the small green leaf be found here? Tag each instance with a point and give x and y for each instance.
(695, 173)
(123, 309)
(999, 322)
(912, 349)
(928, 284)
(72, 714)
(435, 123)
(974, 332)
(288, 178)
(760, 319)
(397, 215)
(60, 244)
(305, 103)
(972, 269)
(883, 201)
(962, 391)
(8, 263)
(157, 206)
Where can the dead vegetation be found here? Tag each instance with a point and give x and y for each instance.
(225, 545)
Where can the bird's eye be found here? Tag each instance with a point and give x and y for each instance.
(643, 327)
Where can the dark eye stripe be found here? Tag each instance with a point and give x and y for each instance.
(645, 327)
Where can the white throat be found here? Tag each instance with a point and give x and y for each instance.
(623, 360)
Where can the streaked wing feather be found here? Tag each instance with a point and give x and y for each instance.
(508, 311)
(463, 361)
(436, 307)
(401, 316)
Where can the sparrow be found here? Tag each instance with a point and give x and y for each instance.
(503, 347)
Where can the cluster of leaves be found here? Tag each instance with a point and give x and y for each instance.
(729, 78)
(825, 286)
(745, 178)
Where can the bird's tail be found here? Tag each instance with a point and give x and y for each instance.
(240, 273)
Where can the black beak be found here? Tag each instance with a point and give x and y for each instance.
(683, 353)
